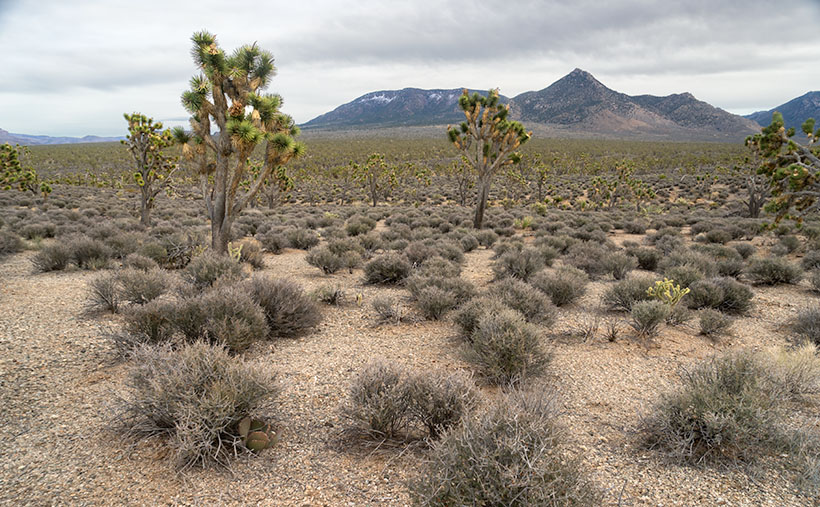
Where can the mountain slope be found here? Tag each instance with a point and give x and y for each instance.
(794, 112)
(392, 108)
(29, 140)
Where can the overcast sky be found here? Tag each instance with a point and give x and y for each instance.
(73, 67)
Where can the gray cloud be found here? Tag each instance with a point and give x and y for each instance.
(78, 65)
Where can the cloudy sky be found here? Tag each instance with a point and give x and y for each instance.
(72, 68)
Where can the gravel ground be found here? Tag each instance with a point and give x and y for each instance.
(58, 376)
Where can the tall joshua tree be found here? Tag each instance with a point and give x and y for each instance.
(488, 141)
(230, 116)
(791, 168)
(155, 170)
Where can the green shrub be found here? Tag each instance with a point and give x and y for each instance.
(814, 280)
(439, 400)
(647, 258)
(533, 304)
(772, 271)
(505, 348)
(359, 224)
(250, 252)
(563, 286)
(468, 242)
(388, 268)
(152, 322)
(811, 260)
(486, 237)
(330, 294)
(388, 309)
(624, 294)
(89, 253)
(227, 316)
(197, 396)
(745, 250)
(138, 261)
(647, 316)
(619, 264)
(684, 275)
(287, 309)
(513, 453)
(274, 241)
(205, 269)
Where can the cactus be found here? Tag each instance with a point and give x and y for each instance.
(256, 435)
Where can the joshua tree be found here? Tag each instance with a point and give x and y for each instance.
(155, 170)
(791, 168)
(230, 117)
(377, 177)
(488, 141)
(13, 174)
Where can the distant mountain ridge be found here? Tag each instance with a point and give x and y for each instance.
(395, 108)
(795, 111)
(575, 103)
(30, 140)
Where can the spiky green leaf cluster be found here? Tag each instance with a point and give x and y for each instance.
(14, 175)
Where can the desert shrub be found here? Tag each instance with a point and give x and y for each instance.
(724, 294)
(814, 280)
(274, 241)
(54, 257)
(154, 251)
(226, 316)
(138, 261)
(468, 242)
(647, 257)
(533, 304)
(38, 230)
(302, 239)
(388, 268)
(796, 371)
(205, 269)
(624, 294)
(438, 267)
(634, 227)
(152, 322)
(89, 253)
(378, 401)
(745, 250)
(723, 410)
(417, 252)
(124, 243)
(370, 242)
(104, 293)
(690, 258)
(460, 288)
(589, 257)
(467, 316)
(387, 309)
(140, 287)
(287, 309)
(678, 315)
(433, 302)
(330, 294)
(684, 275)
(713, 323)
(10, 243)
(512, 453)
(322, 258)
(772, 271)
(811, 260)
(486, 237)
(790, 243)
(439, 400)
(196, 396)
(647, 316)
(519, 264)
(386, 401)
(250, 252)
(619, 264)
(359, 224)
(805, 326)
(505, 348)
(563, 286)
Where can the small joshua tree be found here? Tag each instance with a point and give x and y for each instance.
(791, 168)
(227, 96)
(155, 170)
(14, 175)
(488, 141)
(376, 176)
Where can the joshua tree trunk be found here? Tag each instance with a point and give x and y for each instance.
(481, 202)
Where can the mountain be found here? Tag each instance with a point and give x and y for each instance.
(395, 108)
(29, 140)
(794, 112)
(579, 101)
(575, 105)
